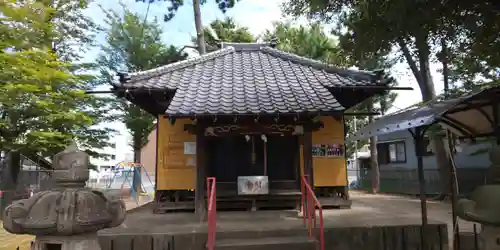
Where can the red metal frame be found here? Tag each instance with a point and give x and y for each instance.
(309, 204)
(212, 212)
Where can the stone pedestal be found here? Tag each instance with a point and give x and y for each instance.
(68, 216)
(74, 242)
(489, 238)
(483, 206)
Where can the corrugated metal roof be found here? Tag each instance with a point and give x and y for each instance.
(455, 114)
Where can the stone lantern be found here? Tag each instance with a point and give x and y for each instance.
(483, 206)
(68, 216)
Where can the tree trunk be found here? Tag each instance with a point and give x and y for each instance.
(424, 78)
(9, 180)
(375, 171)
(137, 180)
(199, 28)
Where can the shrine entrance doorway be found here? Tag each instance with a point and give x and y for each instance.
(273, 157)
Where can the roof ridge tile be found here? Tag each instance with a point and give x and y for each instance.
(356, 74)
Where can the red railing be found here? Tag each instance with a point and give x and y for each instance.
(309, 204)
(212, 212)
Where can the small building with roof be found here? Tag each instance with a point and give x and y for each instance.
(246, 111)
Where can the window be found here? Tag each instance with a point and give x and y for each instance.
(113, 157)
(391, 152)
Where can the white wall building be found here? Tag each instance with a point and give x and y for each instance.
(108, 162)
(118, 151)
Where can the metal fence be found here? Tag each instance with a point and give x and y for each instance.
(405, 181)
(33, 179)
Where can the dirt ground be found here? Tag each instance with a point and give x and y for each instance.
(410, 207)
(367, 211)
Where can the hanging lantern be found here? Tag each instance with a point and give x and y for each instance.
(264, 138)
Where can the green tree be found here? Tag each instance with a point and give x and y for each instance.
(134, 44)
(73, 33)
(369, 60)
(76, 31)
(415, 29)
(40, 98)
(225, 31)
(37, 36)
(308, 41)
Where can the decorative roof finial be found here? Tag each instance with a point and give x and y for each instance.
(71, 147)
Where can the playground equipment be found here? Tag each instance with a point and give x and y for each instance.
(123, 177)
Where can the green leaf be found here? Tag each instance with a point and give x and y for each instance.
(133, 44)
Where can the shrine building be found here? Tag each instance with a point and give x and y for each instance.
(255, 118)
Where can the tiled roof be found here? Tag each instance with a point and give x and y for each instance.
(249, 79)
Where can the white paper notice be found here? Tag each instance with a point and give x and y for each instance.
(189, 148)
(191, 161)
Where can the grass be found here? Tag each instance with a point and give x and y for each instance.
(10, 241)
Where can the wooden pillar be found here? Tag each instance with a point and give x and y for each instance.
(308, 163)
(157, 195)
(199, 202)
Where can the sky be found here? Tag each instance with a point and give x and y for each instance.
(257, 15)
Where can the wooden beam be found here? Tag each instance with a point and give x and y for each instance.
(274, 115)
(308, 160)
(255, 128)
(200, 209)
(250, 120)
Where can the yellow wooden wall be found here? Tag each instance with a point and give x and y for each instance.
(176, 171)
(327, 171)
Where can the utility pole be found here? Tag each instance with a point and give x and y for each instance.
(199, 28)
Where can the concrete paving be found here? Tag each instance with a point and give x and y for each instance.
(409, 208)
(367, 211)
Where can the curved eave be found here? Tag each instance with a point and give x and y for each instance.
(153, 101)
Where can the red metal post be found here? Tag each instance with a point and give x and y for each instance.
(212, 212)
(303, 200)
(321, 230)
(312, 203)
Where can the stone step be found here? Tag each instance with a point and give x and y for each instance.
(259, 233)
(268, 243)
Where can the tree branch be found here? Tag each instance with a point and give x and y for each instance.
(411, 62)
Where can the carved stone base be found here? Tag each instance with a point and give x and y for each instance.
(490, 238)
(75, 242)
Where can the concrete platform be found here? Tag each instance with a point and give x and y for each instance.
(381, 221)
(366, 210)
